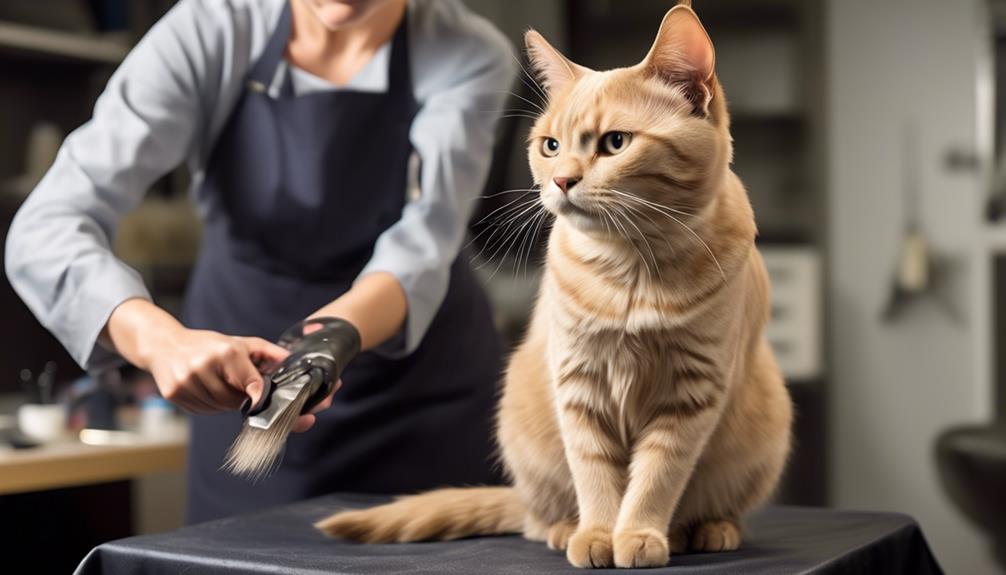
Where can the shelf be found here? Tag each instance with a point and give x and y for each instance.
(73, 46)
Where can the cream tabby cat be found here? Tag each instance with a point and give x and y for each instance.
(644, 414)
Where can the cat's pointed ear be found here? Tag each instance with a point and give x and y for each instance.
(553, 69)
(683, 55)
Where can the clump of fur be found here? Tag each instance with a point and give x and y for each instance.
(256, 452)
(644, 413)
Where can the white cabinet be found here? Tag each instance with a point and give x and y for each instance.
(794, 330)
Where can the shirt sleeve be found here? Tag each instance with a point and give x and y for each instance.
(58, 256)
(453, 134)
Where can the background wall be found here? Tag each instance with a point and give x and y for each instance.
(896, 386)
(891, 387)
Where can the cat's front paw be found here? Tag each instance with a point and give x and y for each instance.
(641, 548)
(559, 534)
(590, 547)
(721, 535)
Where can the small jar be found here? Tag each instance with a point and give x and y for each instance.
(157, 417)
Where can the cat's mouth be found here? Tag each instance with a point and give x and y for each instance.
(582, 218)
(566, 207)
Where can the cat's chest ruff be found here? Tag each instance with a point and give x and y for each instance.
(592, 305)
(646, 351)
(622, 370)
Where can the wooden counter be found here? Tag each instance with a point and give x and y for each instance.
(72, 463)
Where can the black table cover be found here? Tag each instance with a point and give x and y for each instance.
(282, 540)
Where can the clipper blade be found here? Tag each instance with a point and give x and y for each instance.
(256, 451)
(301, 381)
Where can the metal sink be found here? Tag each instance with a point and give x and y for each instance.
(972, 467)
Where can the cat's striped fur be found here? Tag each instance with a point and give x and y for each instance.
(644, 414)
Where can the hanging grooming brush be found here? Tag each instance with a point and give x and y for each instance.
(320, 349)
(919, 275)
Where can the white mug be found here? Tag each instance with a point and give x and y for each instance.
(42, 423)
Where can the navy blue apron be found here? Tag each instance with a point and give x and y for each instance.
(300, 188)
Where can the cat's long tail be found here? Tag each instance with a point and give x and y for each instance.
(443, 514)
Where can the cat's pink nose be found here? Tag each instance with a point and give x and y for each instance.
(565, 183)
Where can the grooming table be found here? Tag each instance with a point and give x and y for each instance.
(282, 540)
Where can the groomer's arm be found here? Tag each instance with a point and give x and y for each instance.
(201, 371)
(375, 305)
(463, 67)
(58, 255)
(58, 251)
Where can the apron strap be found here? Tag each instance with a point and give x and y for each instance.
(265, 69)
(400, 69)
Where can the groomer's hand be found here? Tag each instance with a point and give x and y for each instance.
(208, 372)
(200, 371)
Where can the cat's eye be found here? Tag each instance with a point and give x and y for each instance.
(550, 147)
(615, 142)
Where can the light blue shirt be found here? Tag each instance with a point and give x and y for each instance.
(167, 103)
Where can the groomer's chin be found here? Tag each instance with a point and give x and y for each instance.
(336, 14)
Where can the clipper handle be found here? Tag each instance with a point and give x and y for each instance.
(321, 347)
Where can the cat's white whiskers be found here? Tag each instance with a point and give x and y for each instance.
(542, 216)
(509, 245)
(541, 223)
(651, 203)
(661, 210)
(497, 194)
(510, 112)
(492, 225)
(504, 221)
(656, 227)
(530, 113)
(704, 245)
(510, 203)
(537, 219)
(508, 242)
(522, 98)
(523, 241)
(498, 223)
(628, 238)
(535, 86)
(527, 116)
(646, 242)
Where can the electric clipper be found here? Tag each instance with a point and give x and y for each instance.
(320, 349)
